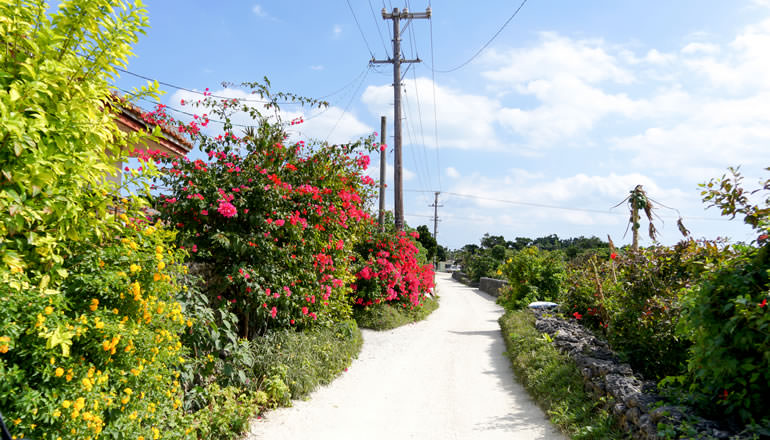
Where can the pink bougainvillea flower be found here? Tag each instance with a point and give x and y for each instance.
(577, 315)
(273, 312)
(613, 255)
(763, 303)
(304, 310)
(226, 209)
(279, 222)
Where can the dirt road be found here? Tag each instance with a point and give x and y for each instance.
(443, 378)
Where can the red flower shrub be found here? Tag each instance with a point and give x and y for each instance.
(389, 271)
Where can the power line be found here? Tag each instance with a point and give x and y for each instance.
(379, 31)
(435, 107)
(542, 205)
(488, 42)
(147, 78)
(347, 106)
(371, 52)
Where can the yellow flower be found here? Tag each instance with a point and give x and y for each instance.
(48, 310)
(101, 263)
(134, 268)
(158, 249)
(69, 375)
(132, 416)
(59, 372)
(161, 265)
(17, 421)
(128, 391)
(66, 404)
(80, 403)
(56, 413)
(141, 437)
(189, 323)
(87, 384)
(136, 289)
(4, 348)
(155, 433)
(156, 277)
(94, 304)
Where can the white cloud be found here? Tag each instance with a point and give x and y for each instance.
(555, 55)
(332, 123)
(317, 67)
(704, 48)
(452, 172)
(337, 30)
(465, 121)
(258, 11)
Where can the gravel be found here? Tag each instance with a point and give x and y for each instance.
(442, 378)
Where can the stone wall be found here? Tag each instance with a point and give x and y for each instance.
(632, 399)
(491, 285)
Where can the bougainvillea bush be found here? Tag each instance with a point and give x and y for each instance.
(277, 220)
(389, 270)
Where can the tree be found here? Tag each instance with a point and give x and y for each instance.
(428, 241)
(490, 241)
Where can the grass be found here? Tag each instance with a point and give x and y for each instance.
(386, 317)
(305, 360)
(553, 380)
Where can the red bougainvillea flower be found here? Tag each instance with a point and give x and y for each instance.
(763, 303)
(226, 209)
(577, 315)
(613, 255)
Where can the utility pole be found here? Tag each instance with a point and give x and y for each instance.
(383, 164)
(396, 15)
(435, 207)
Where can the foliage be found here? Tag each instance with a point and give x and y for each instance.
(57, 136)
(428, 242)
(553, 380)
(101, 356)
(533, 275)
(726, 316)
(386, 317)
(388, 270)
(228, 413)
(291, 364)
(277, 221)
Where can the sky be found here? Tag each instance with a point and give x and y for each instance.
(570, 107)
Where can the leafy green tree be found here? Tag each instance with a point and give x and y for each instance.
(428, 241)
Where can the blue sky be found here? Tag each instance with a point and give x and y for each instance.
(569, 108)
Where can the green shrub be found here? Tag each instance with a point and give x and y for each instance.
(533, 275)
(386, 317)
(303, 360)
(101, 356)
(553, 380)
(728, 320)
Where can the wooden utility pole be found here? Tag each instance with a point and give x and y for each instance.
(435, 207)
(383, 164)
(396, 60)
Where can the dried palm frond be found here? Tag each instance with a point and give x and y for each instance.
(685, 232)
(612, 245)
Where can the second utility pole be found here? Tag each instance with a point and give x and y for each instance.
(396, 60)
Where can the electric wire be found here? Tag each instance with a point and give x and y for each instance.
(435, 106)
(371, 52)
(487, 43)
(543, 205)
(419, 107)
(377, 24)
(347, 106)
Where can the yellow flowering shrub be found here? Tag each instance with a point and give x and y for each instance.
(98, 358)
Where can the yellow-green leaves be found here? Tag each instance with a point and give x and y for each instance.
(58, 337)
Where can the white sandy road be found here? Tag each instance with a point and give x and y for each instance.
(443, 378)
